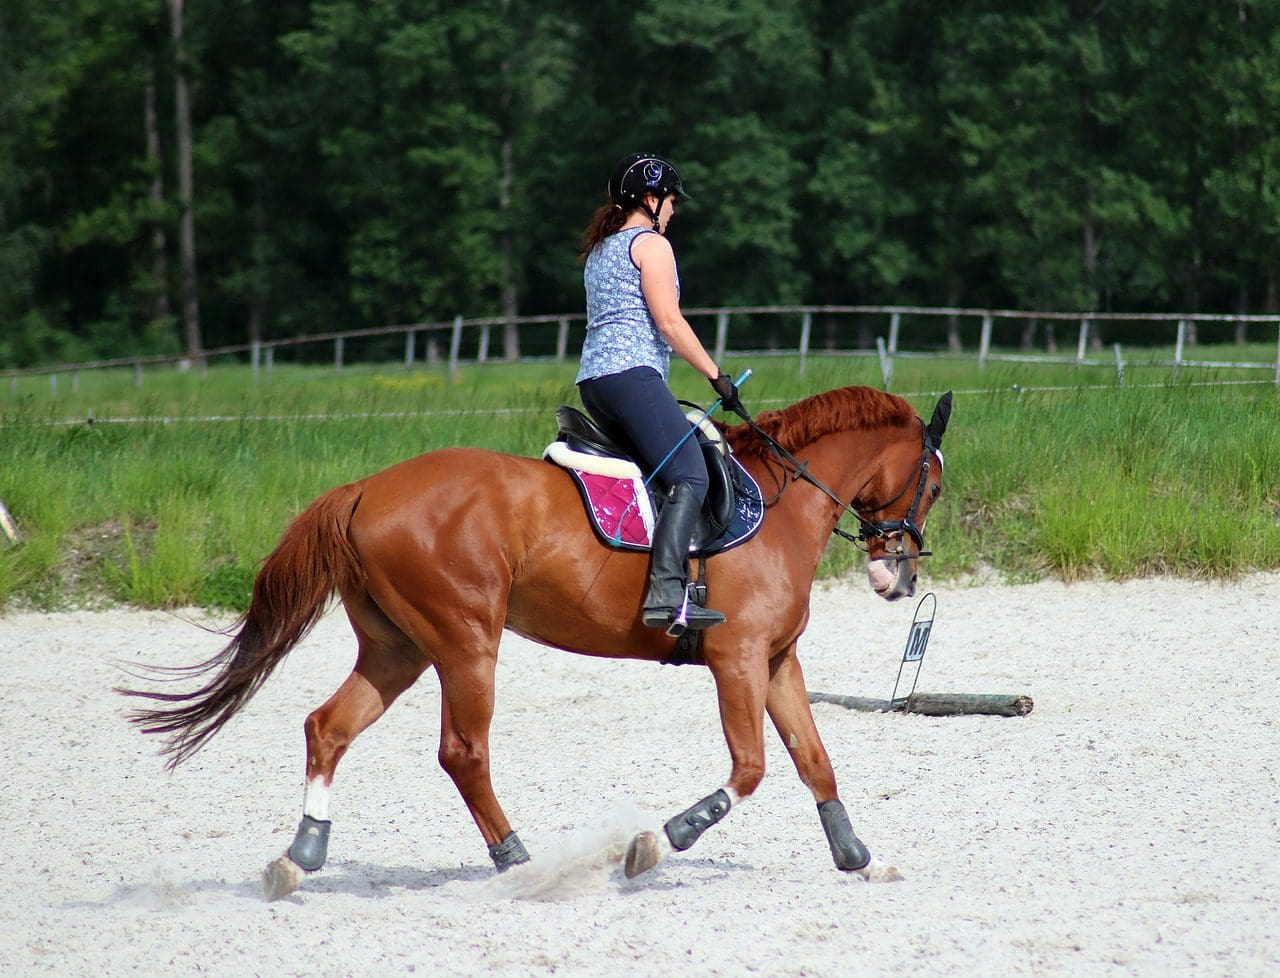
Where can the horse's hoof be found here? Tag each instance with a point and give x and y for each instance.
(878, 872)
(642, 855)
(281, 878)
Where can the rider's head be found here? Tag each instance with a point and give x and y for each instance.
(643, 181)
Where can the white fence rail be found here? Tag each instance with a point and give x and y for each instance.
(476, 332)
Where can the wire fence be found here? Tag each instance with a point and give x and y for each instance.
(883, 332)
(1014, 390)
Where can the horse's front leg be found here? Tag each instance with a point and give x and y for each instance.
(741, 688)
(788, 706)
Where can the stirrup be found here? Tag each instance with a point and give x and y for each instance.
(688, 617)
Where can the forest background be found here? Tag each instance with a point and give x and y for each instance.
(178, 177)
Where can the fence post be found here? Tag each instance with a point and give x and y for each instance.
(1278, 354)
(338, 350)
(1177, 346)
(410, 338)
(53, 386)
(984, 344)
(137, 373)
(806, 326)
(455, 342)
(482, 354)
(722, 334)
(255, 357)
(562, 339)
(894, 322)
(7, 524)
(271, 359)
(886, 361)
(1083, 342)
(1119, 365)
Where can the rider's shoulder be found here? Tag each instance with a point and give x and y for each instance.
(650, 243)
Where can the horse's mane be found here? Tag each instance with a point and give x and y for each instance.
(843, 409)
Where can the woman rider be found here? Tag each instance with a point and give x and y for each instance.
(633, 324)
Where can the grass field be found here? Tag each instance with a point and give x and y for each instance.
(180, 487)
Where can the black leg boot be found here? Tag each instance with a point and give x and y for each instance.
(667, 604)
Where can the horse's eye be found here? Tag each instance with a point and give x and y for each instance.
(937, 491)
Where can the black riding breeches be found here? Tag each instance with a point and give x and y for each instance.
(636, 407)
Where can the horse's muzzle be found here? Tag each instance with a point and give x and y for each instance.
(892, 576)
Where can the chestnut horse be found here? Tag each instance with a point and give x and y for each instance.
(435, 556)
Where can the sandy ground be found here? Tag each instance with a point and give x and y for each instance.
(1128, 826)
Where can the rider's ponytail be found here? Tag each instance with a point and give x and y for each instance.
(608, 219)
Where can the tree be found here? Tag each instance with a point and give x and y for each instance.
(410, 163)
(861, 196)
(186, 189)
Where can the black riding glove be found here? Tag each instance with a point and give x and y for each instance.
(728, 392)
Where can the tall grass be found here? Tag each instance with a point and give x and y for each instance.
(1090, 479)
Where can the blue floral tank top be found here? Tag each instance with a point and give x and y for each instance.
(620, 330)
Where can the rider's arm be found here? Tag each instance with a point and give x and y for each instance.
(657, 263)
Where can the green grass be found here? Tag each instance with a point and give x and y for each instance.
(1161, 475)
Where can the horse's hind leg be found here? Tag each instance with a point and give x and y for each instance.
(788, 706)
(388, 663)
(466, 711)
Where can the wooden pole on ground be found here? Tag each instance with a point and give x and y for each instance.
(935, 704)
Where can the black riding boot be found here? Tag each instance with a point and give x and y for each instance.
(667, 604)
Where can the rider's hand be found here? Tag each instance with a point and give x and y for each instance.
(728, 392)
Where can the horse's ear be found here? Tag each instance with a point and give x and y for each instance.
(941, 415)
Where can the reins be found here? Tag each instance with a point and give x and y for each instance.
(867, 529)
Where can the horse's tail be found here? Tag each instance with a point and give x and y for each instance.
(314, 557)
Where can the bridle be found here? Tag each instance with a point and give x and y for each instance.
(894, 529)
(890, 531)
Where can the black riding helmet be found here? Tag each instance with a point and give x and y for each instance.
(644, 173)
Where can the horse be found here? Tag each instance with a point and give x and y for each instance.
(432, 558)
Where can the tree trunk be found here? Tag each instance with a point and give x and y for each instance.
(159, 310)
(830, 326)
(1028, 340)
(1242, 308)
(865, 339)
(258, 288)
(1091, 275)
(186, 191)
(510, 296)
(953, 321)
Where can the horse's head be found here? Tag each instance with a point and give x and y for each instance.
(893, 505)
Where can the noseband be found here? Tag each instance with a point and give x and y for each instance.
(890, 531)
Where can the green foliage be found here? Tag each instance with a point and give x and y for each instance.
(169, 510)
(366, 163)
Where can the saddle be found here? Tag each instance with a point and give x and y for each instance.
(622, 510)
